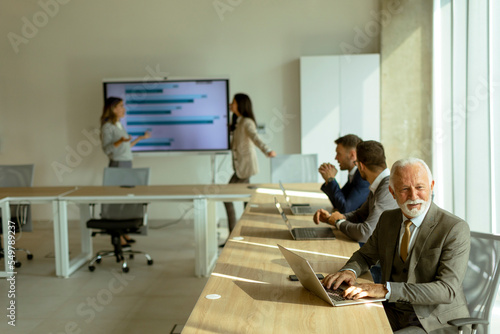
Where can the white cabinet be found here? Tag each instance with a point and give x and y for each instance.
(338, 95)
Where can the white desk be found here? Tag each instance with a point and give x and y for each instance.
(202, 196)
(205, 225)
(33, 195)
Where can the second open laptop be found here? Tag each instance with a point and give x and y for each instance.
(298, 209)
(304, 233)
(308, 279)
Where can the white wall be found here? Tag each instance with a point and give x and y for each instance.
(50, 82)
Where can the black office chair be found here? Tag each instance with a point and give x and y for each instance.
(118, 220)
(18, 176)
(481, 282)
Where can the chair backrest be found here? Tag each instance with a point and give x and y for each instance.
(481, 280)
(124, 177)
(294, 168)
(18, 176)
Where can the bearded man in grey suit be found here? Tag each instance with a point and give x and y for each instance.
(423, 251)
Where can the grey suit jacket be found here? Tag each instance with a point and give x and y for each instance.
(438, 262)
(360, 223)
(244, 156)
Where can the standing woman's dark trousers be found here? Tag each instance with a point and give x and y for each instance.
(231, 216)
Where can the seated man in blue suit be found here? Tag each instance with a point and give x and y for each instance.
(356, 190)
(360, 223)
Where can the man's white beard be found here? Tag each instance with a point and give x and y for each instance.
(415, 212)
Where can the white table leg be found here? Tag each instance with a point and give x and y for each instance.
(86, 246)
(57, 243)
(86, 234)
(61, 239)
(205, 235)
(8, 272)
(65, 267)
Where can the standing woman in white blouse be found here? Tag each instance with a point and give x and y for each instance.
(245, 136)
(116, 142)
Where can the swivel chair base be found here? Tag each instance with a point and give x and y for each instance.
(119, 258)
(17, 264)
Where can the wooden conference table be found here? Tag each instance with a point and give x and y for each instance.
(202, 196)
(251, 278)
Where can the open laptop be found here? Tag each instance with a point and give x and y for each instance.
(305, 233)
(298, 209)
(308, 279)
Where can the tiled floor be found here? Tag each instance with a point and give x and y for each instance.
(149, 299)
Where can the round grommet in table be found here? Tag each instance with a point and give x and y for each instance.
(213, 296)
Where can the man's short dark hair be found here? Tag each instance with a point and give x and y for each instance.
(371, 154)
(349, 141)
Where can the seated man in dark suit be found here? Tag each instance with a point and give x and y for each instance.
(359, 224)
(356, 190)
(423, 251)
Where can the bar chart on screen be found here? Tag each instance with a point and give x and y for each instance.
(181, 115)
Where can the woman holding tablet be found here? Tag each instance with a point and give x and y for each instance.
(245, 136)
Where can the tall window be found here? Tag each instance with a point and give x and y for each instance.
(466, 110)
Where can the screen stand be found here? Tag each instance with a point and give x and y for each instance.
(213, 162)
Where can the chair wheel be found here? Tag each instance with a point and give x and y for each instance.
(131, 256)
(17, 264)
(98, 261)
(91, 268)
(150, 262)
(125, 269)
(30, 256)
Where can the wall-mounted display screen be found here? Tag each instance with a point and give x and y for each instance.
(181, 115)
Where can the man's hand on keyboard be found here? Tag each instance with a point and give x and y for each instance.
(365, 290)
(333, 281)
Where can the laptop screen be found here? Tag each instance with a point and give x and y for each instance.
(282, 213)
(287, 199)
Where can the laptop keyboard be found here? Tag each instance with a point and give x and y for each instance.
(305, 233)
(336, 295)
